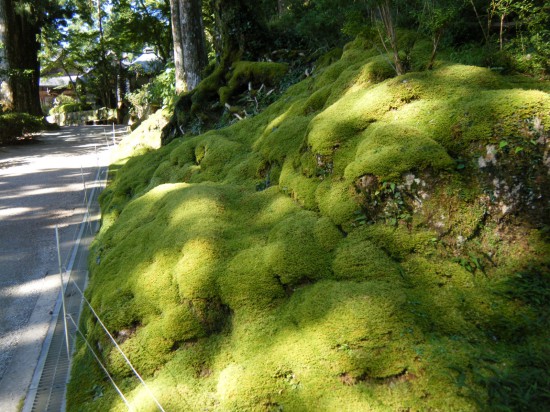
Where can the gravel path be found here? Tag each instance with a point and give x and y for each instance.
(40, 187)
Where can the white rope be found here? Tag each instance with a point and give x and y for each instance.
(119, 349)
(86, 202)
(87, 217)
(100, 363)
(62, 294)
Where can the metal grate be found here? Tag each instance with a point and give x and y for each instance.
(50, 392)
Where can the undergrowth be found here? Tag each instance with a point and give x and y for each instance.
(17, 126)
(367, 242)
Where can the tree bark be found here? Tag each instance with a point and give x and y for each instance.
(435, 43)
(20, 31)
(384, 11)
(6, 98)
(178, 45)
(193, 42)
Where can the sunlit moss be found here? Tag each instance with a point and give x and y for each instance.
(336, 201)
(389, 150)
(241, 269)
(282, 137)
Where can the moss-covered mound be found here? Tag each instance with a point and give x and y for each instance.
(368, 242)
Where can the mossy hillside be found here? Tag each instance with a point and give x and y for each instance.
(343, 250)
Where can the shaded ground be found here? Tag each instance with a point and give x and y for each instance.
(40, 187)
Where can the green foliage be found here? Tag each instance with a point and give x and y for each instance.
(64, 99)
(524, 384)
(66, 104)
(160, 92)
(18, 125)
(530, 50)
(325, 22)
(97, 38)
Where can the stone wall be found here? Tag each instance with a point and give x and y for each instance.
(99, 116)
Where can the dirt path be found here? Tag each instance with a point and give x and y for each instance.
(41, 186)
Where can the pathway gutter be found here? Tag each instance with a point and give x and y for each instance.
(47, 391)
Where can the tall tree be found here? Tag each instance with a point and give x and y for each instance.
(143, 22)
(189, 43)
(20, 26)
(6, 99)
(194, 43)
(433, 20)
(178, 45)
(388, 36)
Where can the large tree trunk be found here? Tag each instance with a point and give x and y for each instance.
(6, 98)
(193, 42)
(178, 45)
(20, 31)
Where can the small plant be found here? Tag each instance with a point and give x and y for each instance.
(471, 263)
(97, 392)
(382, 201)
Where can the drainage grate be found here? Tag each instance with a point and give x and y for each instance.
(48, 395)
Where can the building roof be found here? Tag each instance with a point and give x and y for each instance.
(149, 61)
(56, 81)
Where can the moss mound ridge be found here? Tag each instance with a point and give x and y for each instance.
(368, 242)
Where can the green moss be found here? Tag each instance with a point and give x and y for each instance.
(389, 150)
(144, 137)
(336, 315)
(350, 115)
(329, 58)
(317, 100)
(357, 259)
(282, 137)
(293, 254)
(298, 186)
(336, 201)
(490, 121)
(249, 281)
(399, 241)
(375, 71)
(327, 234)
(240, 271)
(435, 301)
(206, 89)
